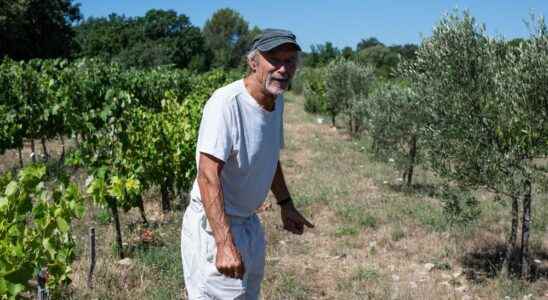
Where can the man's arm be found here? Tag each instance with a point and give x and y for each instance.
(292, 220)
(228, 259)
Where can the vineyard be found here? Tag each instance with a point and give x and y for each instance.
(468, 112)
(132, 129)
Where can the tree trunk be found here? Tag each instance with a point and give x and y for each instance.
(44, 149)
(19, 151)
(114, 210)
(525, 269)
(91, 257)
(62, 147)
(76, 140)
(511, 246)
(32, 150)
(142, 210)
(166, 206)
(350, 126)
(412, 158)
(333, 120)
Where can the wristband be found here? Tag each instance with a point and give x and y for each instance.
(285, 201)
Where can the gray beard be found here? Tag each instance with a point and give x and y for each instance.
(279, 91)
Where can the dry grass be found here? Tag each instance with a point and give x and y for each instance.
(373, 239)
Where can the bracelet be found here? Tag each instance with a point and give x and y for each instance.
(285, 201)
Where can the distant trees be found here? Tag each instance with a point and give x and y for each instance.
(54, 28)
(163, 37)
(160, 37)
(228, 36)
(382, 58)
(37, 28)
(366, 43)
(368, 51)
(321, 54)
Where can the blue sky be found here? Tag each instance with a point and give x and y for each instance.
(344, 23)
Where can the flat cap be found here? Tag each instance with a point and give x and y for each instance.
(272, 38)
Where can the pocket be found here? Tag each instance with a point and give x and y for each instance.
(218, 286)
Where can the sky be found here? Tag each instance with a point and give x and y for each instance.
(343, 22)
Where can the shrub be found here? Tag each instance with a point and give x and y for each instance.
(314, 90)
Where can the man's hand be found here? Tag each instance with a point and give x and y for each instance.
(229, 261)
(292, 219)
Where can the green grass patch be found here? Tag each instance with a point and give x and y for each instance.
(356, 215)
(427, 215)
(289, 287)
(163, 263)
(512, 288)
(103, 216)
(397, 233)
(360, 275)
(365, 274)
(346, 231)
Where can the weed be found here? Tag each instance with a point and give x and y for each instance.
(429, 216)
(512, 288)
(345, 231)
(359, 277)
(397, 233)
(365, 274)
(289, 288)
(353, 214)
(103, 216)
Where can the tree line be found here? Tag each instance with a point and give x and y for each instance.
(57, 29)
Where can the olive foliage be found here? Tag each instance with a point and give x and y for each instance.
(484, 105)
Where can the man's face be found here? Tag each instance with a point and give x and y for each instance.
(275, 69)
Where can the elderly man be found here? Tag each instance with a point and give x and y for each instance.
(239, 142)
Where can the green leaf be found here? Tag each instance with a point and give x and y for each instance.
(48, 246)
(11, 188)
(22, 274)
(3, 202)
(15, 289)
(62, 225)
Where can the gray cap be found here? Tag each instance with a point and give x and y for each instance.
(272, 38)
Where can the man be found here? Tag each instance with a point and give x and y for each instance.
(240, 137)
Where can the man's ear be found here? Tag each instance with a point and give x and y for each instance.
(253, 64)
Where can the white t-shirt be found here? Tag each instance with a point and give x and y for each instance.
(248, 138)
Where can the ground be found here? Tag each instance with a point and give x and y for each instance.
(373, 238)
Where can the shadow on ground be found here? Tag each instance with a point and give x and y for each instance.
(487, 262)
(418, 189)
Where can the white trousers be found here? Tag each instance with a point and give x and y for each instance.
(198, 249)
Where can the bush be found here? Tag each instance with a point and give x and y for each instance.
(314, 90)
(297, 84)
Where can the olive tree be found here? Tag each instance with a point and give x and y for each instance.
(394, 126)
(485, 108)
(521, 90)
(348, 85)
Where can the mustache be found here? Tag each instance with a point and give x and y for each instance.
(279, 78)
